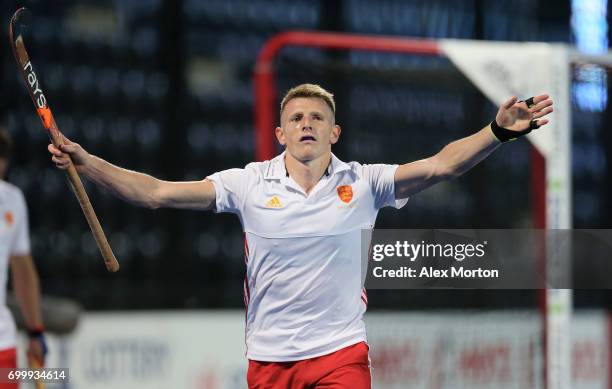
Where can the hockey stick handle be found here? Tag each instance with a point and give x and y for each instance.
(33, 364)
(90, 215)
(45, 114)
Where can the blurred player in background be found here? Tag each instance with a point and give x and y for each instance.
(15, 252)
(302, 214)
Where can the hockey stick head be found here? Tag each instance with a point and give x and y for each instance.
(17, 30)
(21, 20)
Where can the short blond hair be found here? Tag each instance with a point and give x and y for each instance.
(309, 90)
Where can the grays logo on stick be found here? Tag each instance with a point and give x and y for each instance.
(39, 97)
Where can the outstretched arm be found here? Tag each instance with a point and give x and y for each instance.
(134, 187)
(513, 120)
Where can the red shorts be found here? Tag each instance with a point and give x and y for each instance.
(8, 359)
(347, 368)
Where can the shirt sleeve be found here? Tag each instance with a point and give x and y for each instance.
(21, 243)
(230, 188)
(381, 178)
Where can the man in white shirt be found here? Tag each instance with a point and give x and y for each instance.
(302, 213)
(15, 252)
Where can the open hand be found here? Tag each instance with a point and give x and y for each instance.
(517, 116)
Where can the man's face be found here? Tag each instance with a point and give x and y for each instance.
(307, 128)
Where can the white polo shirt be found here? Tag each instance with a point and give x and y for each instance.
(304, 288)
(14, 240)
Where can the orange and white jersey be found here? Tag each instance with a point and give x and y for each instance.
(14, 240)
(304, 286)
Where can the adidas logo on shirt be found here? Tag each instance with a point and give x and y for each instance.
(274, 202)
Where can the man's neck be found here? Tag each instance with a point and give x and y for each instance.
(308, 173)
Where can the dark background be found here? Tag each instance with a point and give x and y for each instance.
(165, 87)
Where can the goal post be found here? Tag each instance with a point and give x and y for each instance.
(498, 70)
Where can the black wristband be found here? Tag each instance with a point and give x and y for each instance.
(504, 134)
(35, 333)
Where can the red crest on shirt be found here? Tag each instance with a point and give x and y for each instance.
(345, 192)
(8, 216)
